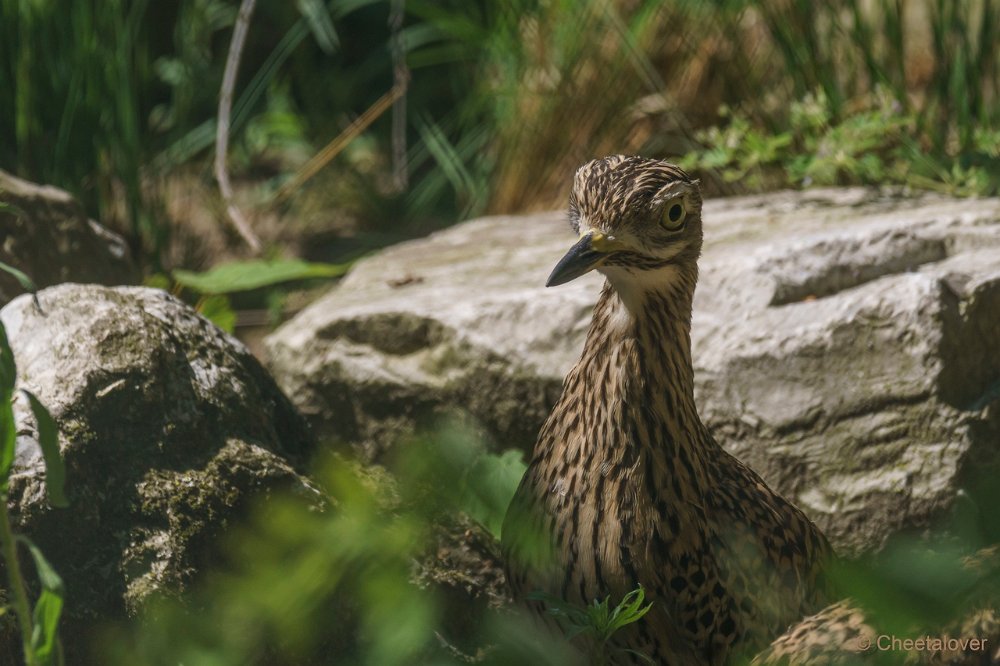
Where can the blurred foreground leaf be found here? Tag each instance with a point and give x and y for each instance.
(332, 579)
(489, 486)
(48, 608)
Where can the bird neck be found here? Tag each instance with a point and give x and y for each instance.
(653, 323)
(639, 346)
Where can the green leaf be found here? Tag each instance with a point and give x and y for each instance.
(47, 575)
(48, 439)
(489, 486)
(597, 618)
(158, 281)
(628, 611)
(247, 275)
(45, 635)
(8, 432)
(8, 371)
(218, 310)
(22, 279)
(48, 608)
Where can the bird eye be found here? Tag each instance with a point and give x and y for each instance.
(673, 216)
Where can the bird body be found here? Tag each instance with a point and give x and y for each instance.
(626, 486)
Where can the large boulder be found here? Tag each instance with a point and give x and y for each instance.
(45, 233)
(168, 427)
(845, 344)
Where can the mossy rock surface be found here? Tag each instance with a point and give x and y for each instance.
(170, 430)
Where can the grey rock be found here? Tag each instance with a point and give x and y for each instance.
(845, 341)
(46, 234)
(169, 428)
(461, 319)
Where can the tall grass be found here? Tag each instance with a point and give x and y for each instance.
(871, 92)
(505, 99)
(555, 83)
(105, 99)
(561, 81)
(936, 56)
(76, 96)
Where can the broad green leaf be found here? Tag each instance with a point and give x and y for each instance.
(48, 608)
(247, 275)
(48, 439)
(489, 487)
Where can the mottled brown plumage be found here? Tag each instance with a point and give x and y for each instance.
(845, 634)
(626, 486)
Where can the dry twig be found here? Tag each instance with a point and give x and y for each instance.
(222, 127)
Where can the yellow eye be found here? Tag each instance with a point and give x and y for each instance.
(673, 216)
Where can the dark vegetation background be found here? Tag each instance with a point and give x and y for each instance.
(118, 105)
(116, 102)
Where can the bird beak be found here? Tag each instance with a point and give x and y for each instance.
(587, 254)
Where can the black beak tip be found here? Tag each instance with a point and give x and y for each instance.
(579, 260)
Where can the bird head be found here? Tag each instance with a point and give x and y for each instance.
(638, 222)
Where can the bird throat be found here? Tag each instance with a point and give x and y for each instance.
(625, 455)
(638, 377)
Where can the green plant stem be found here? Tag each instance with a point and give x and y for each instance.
(16, 581)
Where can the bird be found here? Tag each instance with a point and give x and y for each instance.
(626, 487)
(959, 622)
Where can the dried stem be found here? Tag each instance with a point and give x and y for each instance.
(222, 128)
(332, 149)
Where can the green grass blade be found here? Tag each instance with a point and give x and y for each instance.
(183, 149)
(446, 156)
(22, 279)
(8, 432)
(268, 71)
(8, 441)
(320, 24)
(48, 440)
